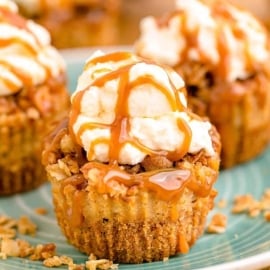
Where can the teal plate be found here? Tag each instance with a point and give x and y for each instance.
(245, 244)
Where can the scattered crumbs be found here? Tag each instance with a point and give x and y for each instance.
(11, 246)
(7, 227)
(7, 222)
(41, 211)
(218, 224)
(222, 203)
(248, 204)
(76, 267)
(242, 203)
(56, 261)
(15, 248)
(265, 200)
(7, 233)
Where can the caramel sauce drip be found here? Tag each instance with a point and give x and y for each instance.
(76, 215)
(168, 184)
(183, 245)
(73, 188)
(120, 127)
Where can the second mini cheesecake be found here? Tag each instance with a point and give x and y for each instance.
(223, 54)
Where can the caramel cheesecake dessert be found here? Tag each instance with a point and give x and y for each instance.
(132, 169)
(75, 23)
(33, 97)
(222, 53)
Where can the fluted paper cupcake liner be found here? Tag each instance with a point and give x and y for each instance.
(143, 229)
(128, 224)
(20, 151)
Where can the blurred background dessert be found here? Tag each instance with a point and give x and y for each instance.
(76, 23)
(131, 13)
(223, 54)
(33, 97)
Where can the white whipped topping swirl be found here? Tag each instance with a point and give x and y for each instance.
(125, 108)
(26, 56)
(213, 32)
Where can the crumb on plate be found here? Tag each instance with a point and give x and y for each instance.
(218, 224)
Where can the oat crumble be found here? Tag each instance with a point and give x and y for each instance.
(248, 204)
(11, 246)
(41, 211)
(218, 224)
(26, 226)
(93, 263)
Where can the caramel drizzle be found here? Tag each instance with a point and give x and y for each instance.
(114, 57)
(168, 184)
(18, 21)
(220, 11)
(26, 79)
(10, 84)
(120, 126)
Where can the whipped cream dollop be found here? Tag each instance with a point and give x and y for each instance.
(26, 55)
(125, 108)
(212, 32)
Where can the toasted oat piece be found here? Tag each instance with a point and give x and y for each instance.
(26, 226)
(7, 222)
(244, 203)
(265, 200)
(42, 252)
(56, 261)
(41, 211)
(218, 224)
(15, 248)
(94, 264)
(248, 204)
(7, 227)
(7, 233)
(76, 267)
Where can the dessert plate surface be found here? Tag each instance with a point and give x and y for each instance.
(245, 244)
